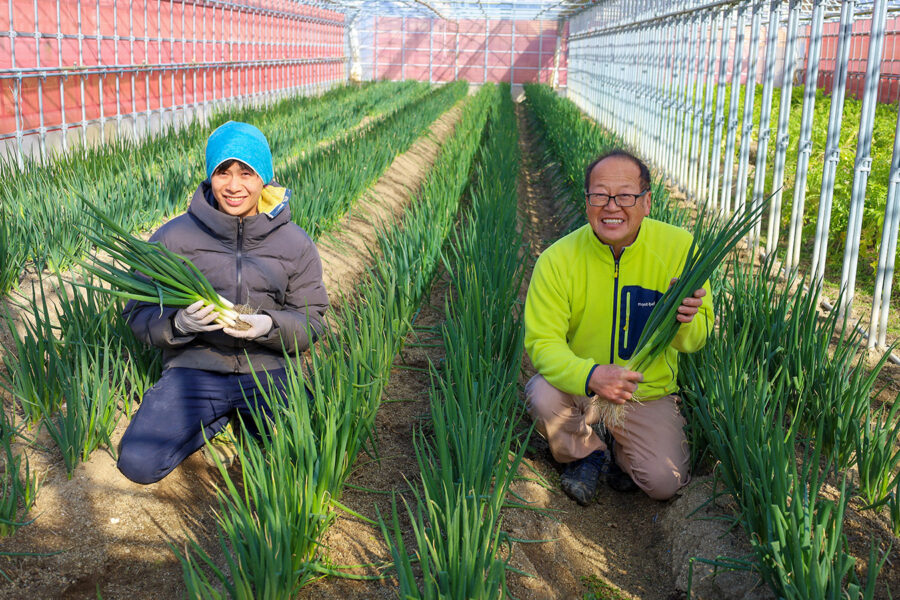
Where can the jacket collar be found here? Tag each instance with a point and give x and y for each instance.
(223, 226)
(606, 250)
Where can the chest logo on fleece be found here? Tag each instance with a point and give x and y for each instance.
(635, 305)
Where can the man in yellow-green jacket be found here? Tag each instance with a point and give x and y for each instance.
(589, 297)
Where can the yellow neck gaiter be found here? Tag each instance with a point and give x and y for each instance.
(271, 198)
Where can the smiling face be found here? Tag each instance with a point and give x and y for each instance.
(237, 189)
(614, 225)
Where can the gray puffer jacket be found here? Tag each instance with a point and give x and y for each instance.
(265, 261)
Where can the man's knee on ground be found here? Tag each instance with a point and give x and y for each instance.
(535, 409)
(660, 481)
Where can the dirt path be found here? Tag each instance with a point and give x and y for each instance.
(345, 254)
(599, 540)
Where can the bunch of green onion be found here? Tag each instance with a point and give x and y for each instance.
(155, 274)
(711, 244)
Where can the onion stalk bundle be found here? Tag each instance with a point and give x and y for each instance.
(156, 275)
(712, 242)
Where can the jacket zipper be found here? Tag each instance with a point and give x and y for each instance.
(612, 341)
(239, 343)
(240, 243)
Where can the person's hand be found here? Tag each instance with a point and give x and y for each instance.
(614, 383)
(690, 305)
(197, 318)
(260, 325)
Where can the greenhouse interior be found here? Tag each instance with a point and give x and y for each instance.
(262, 336)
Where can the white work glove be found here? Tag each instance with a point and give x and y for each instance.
(197, 318)
(260, 325)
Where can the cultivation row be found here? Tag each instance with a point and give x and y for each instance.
(471, 452)
(774, 373)
(327, 182)
(294, 481)
(766, 404)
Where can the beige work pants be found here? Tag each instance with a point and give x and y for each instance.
(651, 446)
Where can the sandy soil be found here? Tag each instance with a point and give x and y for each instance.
(111, 536)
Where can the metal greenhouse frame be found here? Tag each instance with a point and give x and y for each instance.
(668, 77)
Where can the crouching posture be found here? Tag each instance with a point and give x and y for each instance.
(238, 232)
(590, 295)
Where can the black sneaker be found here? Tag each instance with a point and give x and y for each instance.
(616, 478)
(579, 479)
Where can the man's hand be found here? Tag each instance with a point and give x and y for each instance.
(690, 305)
(260, 325)
(614, 383)
(197, 318)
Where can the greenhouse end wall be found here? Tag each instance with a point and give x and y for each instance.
(477, 50)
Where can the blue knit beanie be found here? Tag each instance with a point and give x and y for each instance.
(243, 142)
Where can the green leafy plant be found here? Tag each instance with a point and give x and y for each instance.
(877, 456)
(92, 395)
(36, 368)
(18, 484)
(469, 458)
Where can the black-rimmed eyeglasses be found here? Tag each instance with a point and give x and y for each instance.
(622, 200)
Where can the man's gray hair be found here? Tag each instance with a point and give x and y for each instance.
(645, 172)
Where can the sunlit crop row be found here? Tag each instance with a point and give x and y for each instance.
(469, 452)
(270, 526)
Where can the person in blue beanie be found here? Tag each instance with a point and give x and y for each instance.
(238, 232)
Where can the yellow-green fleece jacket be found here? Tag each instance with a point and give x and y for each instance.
(585, 308)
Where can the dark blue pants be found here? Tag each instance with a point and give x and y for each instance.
(183, 406)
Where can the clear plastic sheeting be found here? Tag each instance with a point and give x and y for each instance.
(630, 13)
(477, 50)
(453, 10)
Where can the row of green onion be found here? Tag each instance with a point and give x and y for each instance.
(297, 482)
(472, 452)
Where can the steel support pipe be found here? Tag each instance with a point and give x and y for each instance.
(887, 252)
(719, 117)
(765, 112)
(782, 138)
(804, 148)
(728, 168)
(747, 126)
(832, 142)
(863, 163)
